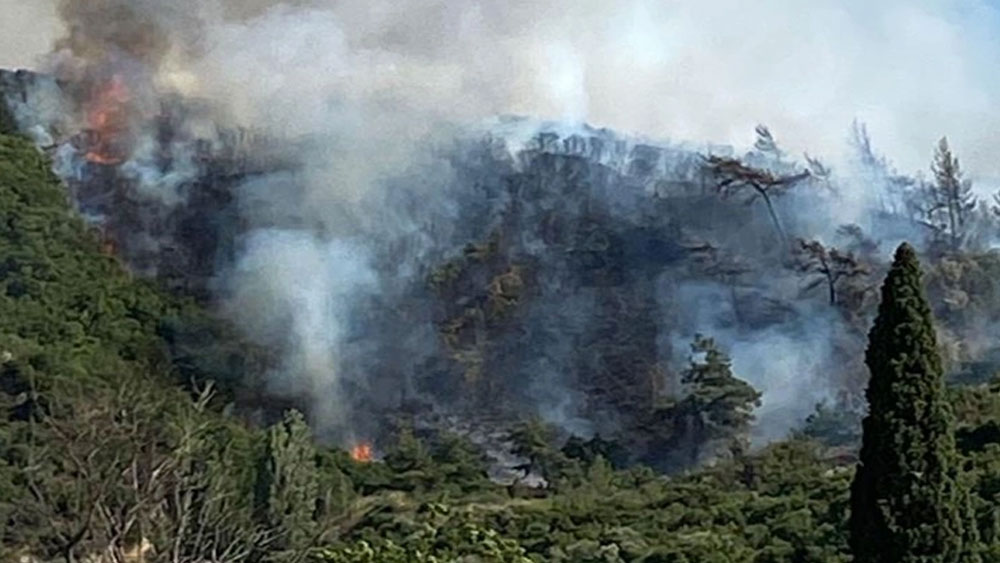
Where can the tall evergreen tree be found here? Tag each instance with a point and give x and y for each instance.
(288, 489)
(906, 505)
(952, 200)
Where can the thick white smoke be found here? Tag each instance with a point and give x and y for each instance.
(366, 85)
(292, 288)
(27, 32)
(697, 70)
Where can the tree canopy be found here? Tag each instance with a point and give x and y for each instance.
(906, 505)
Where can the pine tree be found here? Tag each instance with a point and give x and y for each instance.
(906, 505)
(719, 406)
(952, 199)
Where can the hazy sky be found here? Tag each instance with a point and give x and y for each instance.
(27, 30)
(706, 70)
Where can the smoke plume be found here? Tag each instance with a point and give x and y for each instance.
(383, 117)
(694, 70)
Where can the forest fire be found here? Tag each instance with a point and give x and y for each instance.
(362, 453)
(107, 121)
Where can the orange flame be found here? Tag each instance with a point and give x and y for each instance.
(362, 453)
(107, 117)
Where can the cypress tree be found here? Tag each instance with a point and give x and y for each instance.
(906, 505)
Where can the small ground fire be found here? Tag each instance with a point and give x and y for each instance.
(362, 453)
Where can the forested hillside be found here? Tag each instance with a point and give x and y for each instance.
(454, 281)
(116, 442)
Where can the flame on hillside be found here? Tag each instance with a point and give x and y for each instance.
(362, 453)
(107, 120)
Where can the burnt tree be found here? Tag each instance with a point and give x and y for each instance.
(948, 202)
(734, 178)
(829, 266)
(857, 242)
(721, 266)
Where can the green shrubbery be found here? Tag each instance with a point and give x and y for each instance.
(111, 438)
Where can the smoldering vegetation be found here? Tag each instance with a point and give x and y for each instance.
(401, 260)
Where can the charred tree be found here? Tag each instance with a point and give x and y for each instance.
(828, 266)
(723, 267)
(893, 191)
(8, 125)
(857, 242)
(765, 143)
(734, 178)
(948, 202)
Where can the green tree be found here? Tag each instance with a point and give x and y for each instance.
(460, 464)
(288, 490)
(411, 462)
(534, 441)
(906, 504)
(719, 406)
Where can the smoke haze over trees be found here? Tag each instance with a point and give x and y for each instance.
(384, 252)
(693, 70)
(352, 218)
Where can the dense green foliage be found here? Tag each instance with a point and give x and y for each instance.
(905, 499)
(113, 442)
(718, 406)
(102, 446)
